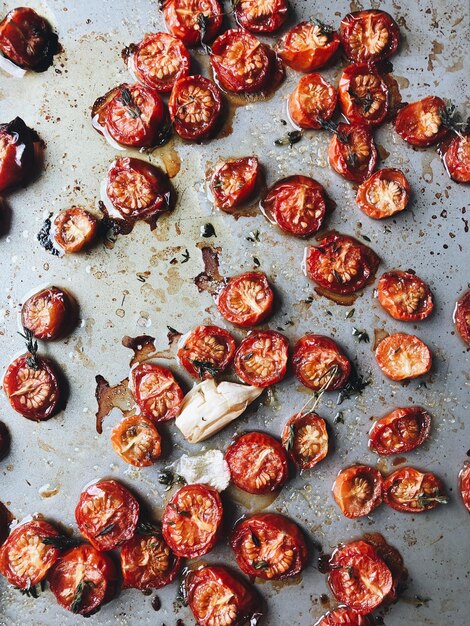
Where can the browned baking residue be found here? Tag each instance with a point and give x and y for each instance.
(379, 335)
(170, 159)
(210, 279)
(342, 299)
(109, 398)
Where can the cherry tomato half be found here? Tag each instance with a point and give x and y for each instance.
(420, 123)
(306, 439)
(269, 546)
(75, 229)
(156, 392)
(383, 194)
(261, 17)
(258, 463)
(158, 61)
(215, 596)
(462, 316)
(455, 155)
(358, 577)
(195, 107)
(83, 579)
(233, 181)
(183, 20)
(343, 616)
(27, 39)
(192, 520)
(357, 490)
(137, 441)
(308, 46)
(464, 484)
(246, 300)
(261, 358)
(319, 364)
(392, 559)
(369, 35)
(49, 314)
(24, 557)
(16, 153)
(312, 102)
(207, 351)
(363, 95)
(107, 514)
(402, 357)
(411, 491)
(400, 431)
(405, 296)
(352, 152)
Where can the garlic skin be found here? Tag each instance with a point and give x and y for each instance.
(210, 406)
(209, 468)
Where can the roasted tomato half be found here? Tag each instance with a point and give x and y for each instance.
(49, 314)
(455, 155)
(297, 204)
(308, 46)
(83, 579)
(195, 22)
(206, 351)
(400, 431)
(261, 17)
(137, 189)
(312, 102)
(401, 357)
(195, 107)
(369, 35)
(246, 300)
(412, 491)
(340, 263)
(107, 514)
(421, 123)
(383, 194)
(269, 546)
(32, 387)
(462, 316)
(27, 39)
(29, 553)
(319, 364)
(192, 520)
(358, 490)
(75, 229)
(358, 577)
(306, 439)
(216, 596)
(405, 296)
(147, 561)
(136, 440)
(363, 94)
(258, 463)
(343, 616)
(233, 181)
(392, 559)
(158, 61)
(464, 484)
(352, 152)
(261, 358)
(156, 392)
(16, 153)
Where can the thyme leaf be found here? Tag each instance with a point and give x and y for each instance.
(354, 386)
(290, 438)
(289, 139)
(185, 256)
(32, 347)
(260, 565)
(148, 528)
(325, 29)
(106, 530)
(361, 335)
(203, 22)
(61, 542)
(78, 598)
(205, 367)
(365, 102)
(425, 500)
(126, 99)
(255, 539)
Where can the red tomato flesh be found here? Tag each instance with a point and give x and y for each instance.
(207, 351)
(308, 46)
(261, 359)
(319, 364)
(369, 35)
(402, 357)
(383, 194)
(410, 491)
(400, 431)
(156, 392)
(405, 296)
(357, 490)
(305, 438)
(246, 300)
(233, 181)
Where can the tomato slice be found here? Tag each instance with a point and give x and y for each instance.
(455, 155)
(24, 557)
(261, 358)
(340, 263)
(358, 577)
(312, 102)
(27, 39)
(343, 616)
(411, 491)
(405, 296)
(195, 107)
(402, 357)
(16, 153)
(156, 392)
(246, 300)
(258, 463)
(363, 95)
(158, 61)
(269, 546)
(192, 520)
(207, 351)
(383, 194)
(32, 387)
(75, 229)
(306, 439)
(369, 35)
(216, 597)
(308, 46)
(462, 316)
(233, 181)
(421, 123)
(464, 484)
(261, 17)
(297, 204)
(147, 562)
(352, 152)
(83, 579)
(319, 364)
(400, 431)
(107, 514)
(137, 441)
(48, 314)
(357, 490)
(182, 18)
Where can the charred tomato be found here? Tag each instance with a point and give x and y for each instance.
(195, 107)
(384, 193)
(455, 154)
(464, 484)
(422, 123)
(400, 431)
(75, 229)
(261, 358)
(363, 95)
(136, 440)
(411, 491)
(27, 39)
(195, 22)
(246, 300)
(207, 351)
(369, 35)
(319, 364)
(261, 17)
(308, 46)
(233, 181)
(312, 102)
(49, 314)
(462, 316)
(16, 153)
(343, 616)
(352, 152)
(357, 490)
(156, 392)
(402, 357)
(405, 296)
(306, 439)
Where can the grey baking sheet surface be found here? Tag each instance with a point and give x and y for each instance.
(431, 237)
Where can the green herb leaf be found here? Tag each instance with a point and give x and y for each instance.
(106, 530)
(208, 230)
(325, 29)
(32, 347)
(350, 313)
(148, 528)
(203, 23)
(260, 565)
(339, 418)
(255, 539)
(61, 542)
(361, 335)
(290, 138)
(205, 367)
(185, 256)
(78, 598)
(253, 236)
(290, 438)
(354, 386)
(425, 500)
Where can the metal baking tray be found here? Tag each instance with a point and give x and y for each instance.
(50, 462)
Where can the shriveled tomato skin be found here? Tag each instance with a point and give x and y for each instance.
(233, 181)
(200, 342)
(420, 123)
(464, 484)
(354, 25)
(261, 351)
(308, 354)
(363, 95)
(410, 491)
(354, 158)
(269, 527)
(369, 193)
(312, 102)
(151, 404)
(298, 433)
(181, 19)
(343, 616)
(141, 558)
(403, 357)
(306, 47)
(400, 431)
(129, 428)
(348, 485)
(185, 94)
(228, 299)
(27, 39)
(455, 154)
(68, 222)
(246, 472)
(48, 314)
(462, 316)
(265, 20)
(405, 296)
(16, 153)
(28, 569)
